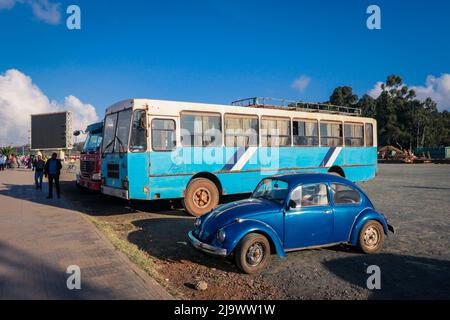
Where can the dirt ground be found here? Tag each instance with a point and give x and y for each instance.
(415, 262)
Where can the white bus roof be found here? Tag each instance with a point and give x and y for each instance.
(173, 109)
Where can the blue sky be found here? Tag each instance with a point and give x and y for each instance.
(218, 51)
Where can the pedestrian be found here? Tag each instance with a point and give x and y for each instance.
(2, 162)
(52, 171)
(12, 161)
(39, 166)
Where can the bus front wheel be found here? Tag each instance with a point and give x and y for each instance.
(201, 196)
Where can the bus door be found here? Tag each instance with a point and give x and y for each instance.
(164, 134)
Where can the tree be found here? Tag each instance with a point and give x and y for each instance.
(8, 150)
(344, 96)
(403, 120)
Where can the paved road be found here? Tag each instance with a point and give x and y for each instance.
(415, 262)
(40, 238)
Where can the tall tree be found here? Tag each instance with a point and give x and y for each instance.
(343, 96)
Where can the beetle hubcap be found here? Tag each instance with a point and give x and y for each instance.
(371, 237)
(201, 197)
(255, 254)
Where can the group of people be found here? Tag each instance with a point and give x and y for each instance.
(12, 161)
(50, 168)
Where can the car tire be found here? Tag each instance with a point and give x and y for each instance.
(201, 197)
(246, 254)
(371, 237)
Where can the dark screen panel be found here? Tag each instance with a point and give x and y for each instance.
(48, 131)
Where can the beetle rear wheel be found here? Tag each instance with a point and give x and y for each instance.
(253, 253)
(201, 196)
(371, 237)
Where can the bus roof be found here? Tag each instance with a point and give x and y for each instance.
(95, 127)
(173, 108)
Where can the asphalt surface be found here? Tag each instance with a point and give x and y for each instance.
(415, 262)
(41, 238)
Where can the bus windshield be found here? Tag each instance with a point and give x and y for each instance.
(117, 131)
(93, 142)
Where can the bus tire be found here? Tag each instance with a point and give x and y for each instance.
(201, 196)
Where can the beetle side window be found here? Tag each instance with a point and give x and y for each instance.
(343, 194)
(310, 195)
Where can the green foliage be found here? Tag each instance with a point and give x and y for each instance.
(403, 121)
(343, 96)
(7, 150)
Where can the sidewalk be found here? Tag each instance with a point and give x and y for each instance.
(40, 238)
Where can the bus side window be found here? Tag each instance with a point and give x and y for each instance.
(306, 133)
(331, 134)
(163, 135)
(369, 135)
(275, 132)
(241, 131)
(354, 135)
(201, 130)
(138, 140)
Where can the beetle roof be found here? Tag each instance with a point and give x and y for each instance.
(304, 178)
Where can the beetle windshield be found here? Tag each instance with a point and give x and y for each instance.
(271, 189)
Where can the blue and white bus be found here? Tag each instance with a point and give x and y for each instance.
(155, 149)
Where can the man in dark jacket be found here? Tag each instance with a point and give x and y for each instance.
(38, 166)
(52, 171)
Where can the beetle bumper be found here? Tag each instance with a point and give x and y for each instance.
(206, 247)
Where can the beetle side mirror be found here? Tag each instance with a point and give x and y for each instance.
(292, 204)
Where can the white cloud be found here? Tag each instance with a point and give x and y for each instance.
(7, 4)
(436, 88)
(43, 10)
(20, 98)
(376, 90)
(301, 83)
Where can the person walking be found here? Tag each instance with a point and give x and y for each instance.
(12, 162)
(2, 162)
(39, 166)
(52, 171)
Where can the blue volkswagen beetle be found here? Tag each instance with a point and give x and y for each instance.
(291, 212)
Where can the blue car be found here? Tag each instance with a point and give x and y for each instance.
(291, 212)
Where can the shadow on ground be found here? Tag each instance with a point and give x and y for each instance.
(26, 277)
(402, 276)
(166, 239)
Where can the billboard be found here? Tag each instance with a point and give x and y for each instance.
(51, 131)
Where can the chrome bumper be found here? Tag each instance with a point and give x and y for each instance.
(115, 192)
(206, 247)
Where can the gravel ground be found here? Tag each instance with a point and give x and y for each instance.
(415, 262)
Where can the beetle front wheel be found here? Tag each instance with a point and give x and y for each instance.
(253, 253)
(371, 237)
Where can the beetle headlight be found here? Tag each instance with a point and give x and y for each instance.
(221, 235)
(198, 222)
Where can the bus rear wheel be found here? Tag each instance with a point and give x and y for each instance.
(201, 197)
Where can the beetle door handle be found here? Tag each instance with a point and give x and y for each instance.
(328, 211)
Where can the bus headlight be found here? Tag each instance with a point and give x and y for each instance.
(221, 235)
(96, 176)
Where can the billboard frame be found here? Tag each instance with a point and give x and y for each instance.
(69, 133)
